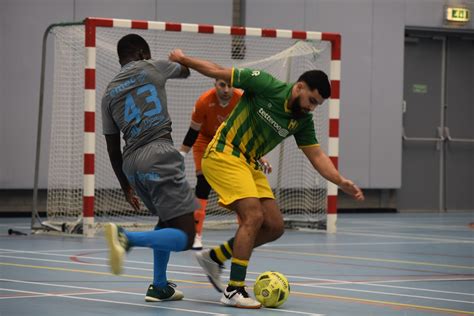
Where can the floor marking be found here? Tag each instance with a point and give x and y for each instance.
(405, 236)
(418, 263)
(94, 272)
(273, 245)
(97, 291)
(97, 265)
(330, 281)
(412, 306)
(118, 302)
(386, 293)
(324, 255)
(373, 283)
(122, 292)
(196, 282)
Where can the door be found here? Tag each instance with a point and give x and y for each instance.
(438, 140)
(422, 119)
(460, 123)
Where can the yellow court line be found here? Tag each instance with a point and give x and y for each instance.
(419, 263)
(133, 276)
(413, 306)
(347, 298)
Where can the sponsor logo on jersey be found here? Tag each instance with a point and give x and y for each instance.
(293, 124)
(270, 121)
(139, 78)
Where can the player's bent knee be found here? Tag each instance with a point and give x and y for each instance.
(185, 223)
(255, 219)
(273, 229)
(278, 231)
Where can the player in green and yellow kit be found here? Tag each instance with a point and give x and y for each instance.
(268, 112)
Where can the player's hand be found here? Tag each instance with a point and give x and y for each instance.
(132, 198)
(265, 165)
(176, 55)
(350, 188)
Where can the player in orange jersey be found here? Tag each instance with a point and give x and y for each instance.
(210, 110)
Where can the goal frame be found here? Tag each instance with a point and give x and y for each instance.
(92, 23)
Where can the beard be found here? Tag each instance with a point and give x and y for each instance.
(296, 110)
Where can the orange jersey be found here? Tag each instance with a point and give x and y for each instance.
(210, 114)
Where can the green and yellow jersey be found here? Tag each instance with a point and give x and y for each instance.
(261, 120)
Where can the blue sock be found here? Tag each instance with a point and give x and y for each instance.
(166, 239)
(160, 263)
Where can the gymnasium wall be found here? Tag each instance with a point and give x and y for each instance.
(372, 69)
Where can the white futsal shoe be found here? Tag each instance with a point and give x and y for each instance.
(212, 269)
(238, 297)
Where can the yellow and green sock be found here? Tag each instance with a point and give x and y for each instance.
(238, 272)
(222, 253)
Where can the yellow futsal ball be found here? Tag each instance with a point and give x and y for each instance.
(271, 289)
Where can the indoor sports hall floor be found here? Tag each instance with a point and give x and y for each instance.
(383, 264)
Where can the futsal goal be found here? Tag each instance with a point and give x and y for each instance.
(82, 188)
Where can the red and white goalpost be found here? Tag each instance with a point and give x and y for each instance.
(81, 182)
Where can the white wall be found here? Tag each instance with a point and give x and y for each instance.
(23, 23)
(372, 68)
(371, 79)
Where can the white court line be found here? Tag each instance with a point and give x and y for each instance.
(99, 265)
(405, 236)
(276, 245)
(458, 233)
(377, 283)
(86, 257)
(407, 223)
(38, 294)
(149, 264)
(414, 288)
(133, 293)
(331, 281)
(387, 293)
(107, 301)
(183, 266)
(77, 250)
(35, 294)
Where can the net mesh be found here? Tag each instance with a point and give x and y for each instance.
(300, 191)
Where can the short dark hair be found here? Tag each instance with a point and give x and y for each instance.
(317, 79)
(131, 44)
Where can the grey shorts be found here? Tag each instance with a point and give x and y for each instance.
(156, 172)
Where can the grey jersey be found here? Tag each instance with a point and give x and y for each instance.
(134, 102)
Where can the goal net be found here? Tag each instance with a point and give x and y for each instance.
(81, 182)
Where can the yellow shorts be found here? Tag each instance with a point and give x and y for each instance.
(233, 178)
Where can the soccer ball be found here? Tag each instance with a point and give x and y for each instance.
(271, 289)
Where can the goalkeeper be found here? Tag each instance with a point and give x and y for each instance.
(134, 104)
(210, 110)
(268, 112)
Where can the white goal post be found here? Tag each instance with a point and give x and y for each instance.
(81, 183)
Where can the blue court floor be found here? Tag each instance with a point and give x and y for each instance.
(376, 264)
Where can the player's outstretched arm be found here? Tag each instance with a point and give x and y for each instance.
(326, 168)
(115, 155)
(205, 67)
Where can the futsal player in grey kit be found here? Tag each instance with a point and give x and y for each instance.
(135, 105)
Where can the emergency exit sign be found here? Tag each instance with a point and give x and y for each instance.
(457, 14)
